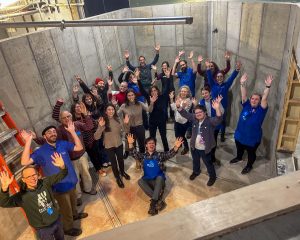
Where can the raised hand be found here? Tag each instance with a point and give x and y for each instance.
(26, 135)
(58, 160)
(130, 138)
(109, 68)
(153, 99)
(5, 180)
(178, 102)
(269, 80)
(61, 100)
(216, 102)
(83, 109)
(110, 82)
(94, 91)
(32, 133)
(137, 72)
(238, 65)
(154, 67)
(227, 55)
(194, 101)
(101, 122)
(177, 59)
(244, 78)
(154, 81)
(71, 127)
(78, 79)
(75, 89)
(191, 55)
(157, 48)
(171, 95)
(126, 119)
(178, 142)
(125, 69)
(126, 54)
(200, 58)
(181, 53)
(207, 63)
(114, 101)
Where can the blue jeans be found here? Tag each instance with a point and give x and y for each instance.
(54, 231)
(196, 155)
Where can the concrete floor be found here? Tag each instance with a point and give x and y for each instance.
(113, 207)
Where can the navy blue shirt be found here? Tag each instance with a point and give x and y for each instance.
(42, 157)
(249, 131)
(136, 89)
(152, 169)
(187, 78)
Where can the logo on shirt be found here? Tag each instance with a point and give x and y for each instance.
(150, 164)
(42, 202)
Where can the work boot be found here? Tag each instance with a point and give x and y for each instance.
(74, 232)
(80, 216)
(120, 183)
(211, 181)
(152, 210)
(126, 176)
(246, 170)
(161, 205)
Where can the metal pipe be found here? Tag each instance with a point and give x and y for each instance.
(102, 22)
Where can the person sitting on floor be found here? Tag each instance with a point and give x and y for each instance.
(153, 181)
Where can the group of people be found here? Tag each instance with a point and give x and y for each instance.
(97, 125)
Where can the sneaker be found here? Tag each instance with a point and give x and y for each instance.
(152, 209)
(126, 154)
(105, 165)
(79, 201)
(92, 192)
(211, 181)
(74, 232)
(102, 173)
(246, 170)
(193, 176)
(184, 151)
(126, 176)
(80, 216)
(120, 183)
(235, 160)
(161, 205)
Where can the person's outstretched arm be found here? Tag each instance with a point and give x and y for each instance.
(7, 201)
(243, 81)
(25, 158)
(132, 151)
(56, 109)
(177, 60)
(199, 67)
(126, 55)
(228, 65)
(233, 75)
(71, 129)
(155, 60)
(264, 99)
(164, 156)
(194, 66)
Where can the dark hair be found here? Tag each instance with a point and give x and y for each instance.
(220, 72)
(148, 139)
(142, 57)
(183, 61)
(257, 94)
(216, 67)
(72, 110)
(200, 107)
(107, 125)
(135, 100)
(165, 62)
(206, 87)
(27, 167)
(158, 91)
(47, 128)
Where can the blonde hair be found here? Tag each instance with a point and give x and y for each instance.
(189, 91)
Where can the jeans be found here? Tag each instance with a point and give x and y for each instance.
(180, 130)
(196, 155)
(154, 188)
(240, 148)
(115, 156)
(139, 136)
(53, 232)
(162, 128)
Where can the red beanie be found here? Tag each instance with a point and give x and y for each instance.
(98, 80)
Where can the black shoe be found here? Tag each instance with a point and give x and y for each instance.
(74, 232)
(126, 176)
(246, 170)
(126, 154)
(193, 176)
(211, 181)
(235, 160)
(184, 151)
(120, 183)
(161, 205)
(80, 216)
(222, 137)
(92, 192)
(79, 202)
(152, 210)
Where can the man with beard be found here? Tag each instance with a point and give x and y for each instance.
(64, 191)
(186, 75)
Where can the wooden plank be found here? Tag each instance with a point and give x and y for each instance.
(218, 215)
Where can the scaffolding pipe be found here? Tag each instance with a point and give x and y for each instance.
(102, 22)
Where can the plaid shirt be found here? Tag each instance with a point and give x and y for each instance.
(160, 156)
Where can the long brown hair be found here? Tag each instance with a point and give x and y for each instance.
(107, 125)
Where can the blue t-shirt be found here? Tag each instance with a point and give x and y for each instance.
(187, 78)
(42, 157)
(136, 89)
(249, 131)
(152, 169)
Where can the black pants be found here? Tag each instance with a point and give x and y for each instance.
(213, 151)
(94, 155)
(115, 156)
(162, 128)
(180, 130)
(145, 119)
(53, 232)
(154, 188)
(240, 148)
(139, 136)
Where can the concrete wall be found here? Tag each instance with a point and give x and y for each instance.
(38, 68)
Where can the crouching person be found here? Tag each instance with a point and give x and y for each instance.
(36, 199)
(153, 181)
(202, 141)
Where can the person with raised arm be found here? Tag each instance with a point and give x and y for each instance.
(202, 140)
(248, 133)
(153, 180)
(64, 191)
(36, 198)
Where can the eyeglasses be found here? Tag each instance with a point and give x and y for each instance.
(31, 176)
